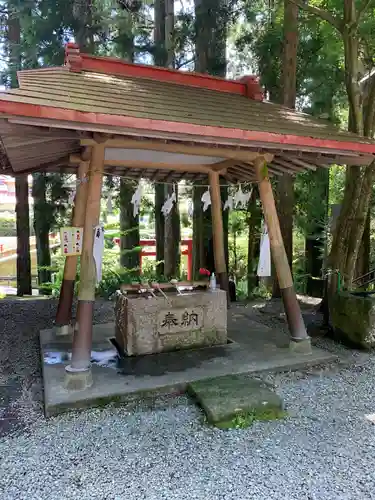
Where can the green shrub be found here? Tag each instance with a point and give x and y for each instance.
(112, 226)
(7, 227)
(108, 242)
(113, 274)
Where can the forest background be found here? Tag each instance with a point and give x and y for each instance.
(317, 56)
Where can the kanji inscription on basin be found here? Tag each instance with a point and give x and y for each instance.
(179, 320)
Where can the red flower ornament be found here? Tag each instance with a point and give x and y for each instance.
(204, 272)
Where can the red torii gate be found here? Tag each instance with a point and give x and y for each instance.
(152, 243)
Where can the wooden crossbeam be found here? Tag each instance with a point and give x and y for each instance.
(301, 163)
(290, 167)
(203, 169)
(179, 147)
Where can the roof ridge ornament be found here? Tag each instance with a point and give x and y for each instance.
(73, 58)
(254, 89)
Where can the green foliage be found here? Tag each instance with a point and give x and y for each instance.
(244, 420)
(237, 225)
(110, 226)
(310, 209)
(113, 274)
(50, 200)
(336, 184)
(7, 227)
(255, 33)
(259, 292)
(185, 220)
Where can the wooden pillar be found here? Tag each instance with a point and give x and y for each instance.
(82, 341)
(64, 309)
(284, 275)
(218, 232)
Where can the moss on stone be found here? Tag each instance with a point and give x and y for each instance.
(353, 319)
(244, 420)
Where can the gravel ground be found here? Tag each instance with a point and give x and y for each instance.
(323, 450)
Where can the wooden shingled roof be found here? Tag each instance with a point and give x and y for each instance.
(56, 111)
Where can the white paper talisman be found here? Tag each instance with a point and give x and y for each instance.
(98, 251)
(264, 264)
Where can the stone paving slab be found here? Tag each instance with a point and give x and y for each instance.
(224, 399)
(9, 392)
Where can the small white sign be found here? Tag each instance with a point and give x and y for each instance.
(71, 240)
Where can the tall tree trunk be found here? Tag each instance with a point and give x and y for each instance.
(211, 19)
(172, 245)
(42, 229)
(160, 59)
(169, 33)
(315, 242)
(355, 206)
(167, 229)
(363, 260)
(83, 34)
(129, 227)
(22, 186)
(202, 230)
(351, 223)
(358, 185)
(235, 260)
(199, 250)
(201, 220)
(285, 183)
(160, 53)
(225, 215)
(172, 229)
(159, 228)
(254, 222)
(23, 236)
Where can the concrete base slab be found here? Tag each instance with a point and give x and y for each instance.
(236, 400)
(252, 350)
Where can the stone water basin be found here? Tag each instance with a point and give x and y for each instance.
(148, 325)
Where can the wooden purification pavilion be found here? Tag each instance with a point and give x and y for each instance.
(98, 115)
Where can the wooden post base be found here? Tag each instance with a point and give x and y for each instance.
(64, 330)
(82, 340)
(301, 347)
(293, 314)
(77, 380)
